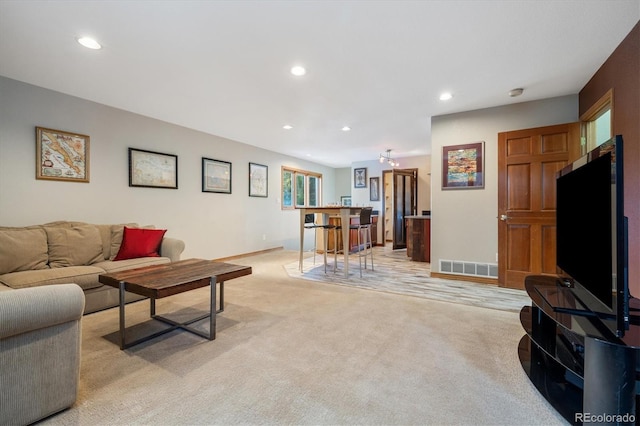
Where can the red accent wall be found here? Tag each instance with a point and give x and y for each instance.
(621, 71)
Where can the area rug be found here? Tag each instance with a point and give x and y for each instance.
(393, 272)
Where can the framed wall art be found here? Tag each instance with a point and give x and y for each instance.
(216, 176)
(150, 169)
(345, 200)
(360, 177)
(258, 180)
(62, 155)
(374, 189)
(463, 166)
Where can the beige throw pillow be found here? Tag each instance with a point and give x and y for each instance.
(75, 246)
(22, 250)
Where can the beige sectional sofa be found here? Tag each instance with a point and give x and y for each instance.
(40, 343)
(72, 252)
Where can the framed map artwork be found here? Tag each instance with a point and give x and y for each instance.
(258, 180)
(216, 176)
(152, 169)
(61, 155)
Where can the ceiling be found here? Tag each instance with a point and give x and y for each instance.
(222, 67)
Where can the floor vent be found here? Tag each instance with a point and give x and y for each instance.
(487, 270)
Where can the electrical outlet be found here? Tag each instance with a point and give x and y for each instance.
(264, 237)
(496, 257)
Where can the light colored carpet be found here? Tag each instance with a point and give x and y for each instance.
(395, 273)
(292, 351)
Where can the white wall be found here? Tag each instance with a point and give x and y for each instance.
(464, 222)
(212, 225)
(342, 185)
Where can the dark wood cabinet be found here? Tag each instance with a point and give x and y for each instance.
(419, 238)
(353, 233)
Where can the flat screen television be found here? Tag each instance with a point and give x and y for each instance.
(591, 234)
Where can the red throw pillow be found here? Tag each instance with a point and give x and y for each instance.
(137, 242)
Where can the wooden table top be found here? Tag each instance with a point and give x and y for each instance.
(158, 281)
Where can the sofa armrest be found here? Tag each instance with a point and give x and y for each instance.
(35, 308)
(171, 248)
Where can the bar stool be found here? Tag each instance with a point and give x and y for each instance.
(364, 230)
(310, 223)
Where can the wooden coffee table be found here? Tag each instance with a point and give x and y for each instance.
(158, 281)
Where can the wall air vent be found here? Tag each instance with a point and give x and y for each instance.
(475, 269)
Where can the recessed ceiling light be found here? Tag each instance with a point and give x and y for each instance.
(346, 128)
(446, 96)
(298, 71)
(287, 127)
(89, 43)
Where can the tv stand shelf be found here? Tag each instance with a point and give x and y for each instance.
(574, 361)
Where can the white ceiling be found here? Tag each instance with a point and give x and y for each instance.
(222, 67)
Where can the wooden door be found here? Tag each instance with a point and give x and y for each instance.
(405, 193)
(527, 164)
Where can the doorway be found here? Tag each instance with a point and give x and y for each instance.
(399, 199)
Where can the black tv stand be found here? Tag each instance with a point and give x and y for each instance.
(573, 358)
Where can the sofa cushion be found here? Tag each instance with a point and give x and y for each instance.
(74, 246)
(105, 236)
(85, 276)
(22, 250)
(122, 265)
(137, 242)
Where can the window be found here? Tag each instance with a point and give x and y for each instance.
(314, 191)
(300, 188)
(596, 123)
(287, 189)
(300, 192)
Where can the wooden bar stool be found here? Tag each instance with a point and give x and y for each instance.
(310, 223)
(365, 244)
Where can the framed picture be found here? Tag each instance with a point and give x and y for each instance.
(216, 176)
(360, 177)
(345, 200)
(374, 189)
(152, 169)
(463, 166)
(61, 155)
(258, 180)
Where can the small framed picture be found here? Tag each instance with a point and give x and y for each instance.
(62, 155)
(150, 169)
(374, 189)
(345, 200)
(216, 176)
(258, 180)
(360, 177)
(463, 166)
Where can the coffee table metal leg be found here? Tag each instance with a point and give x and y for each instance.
(174, 325)
(221, 297)
(122, 337)
(212, 308)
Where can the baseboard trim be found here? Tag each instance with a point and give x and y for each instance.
(473, 279)
(253, 253)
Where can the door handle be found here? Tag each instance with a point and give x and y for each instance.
(504, 217)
